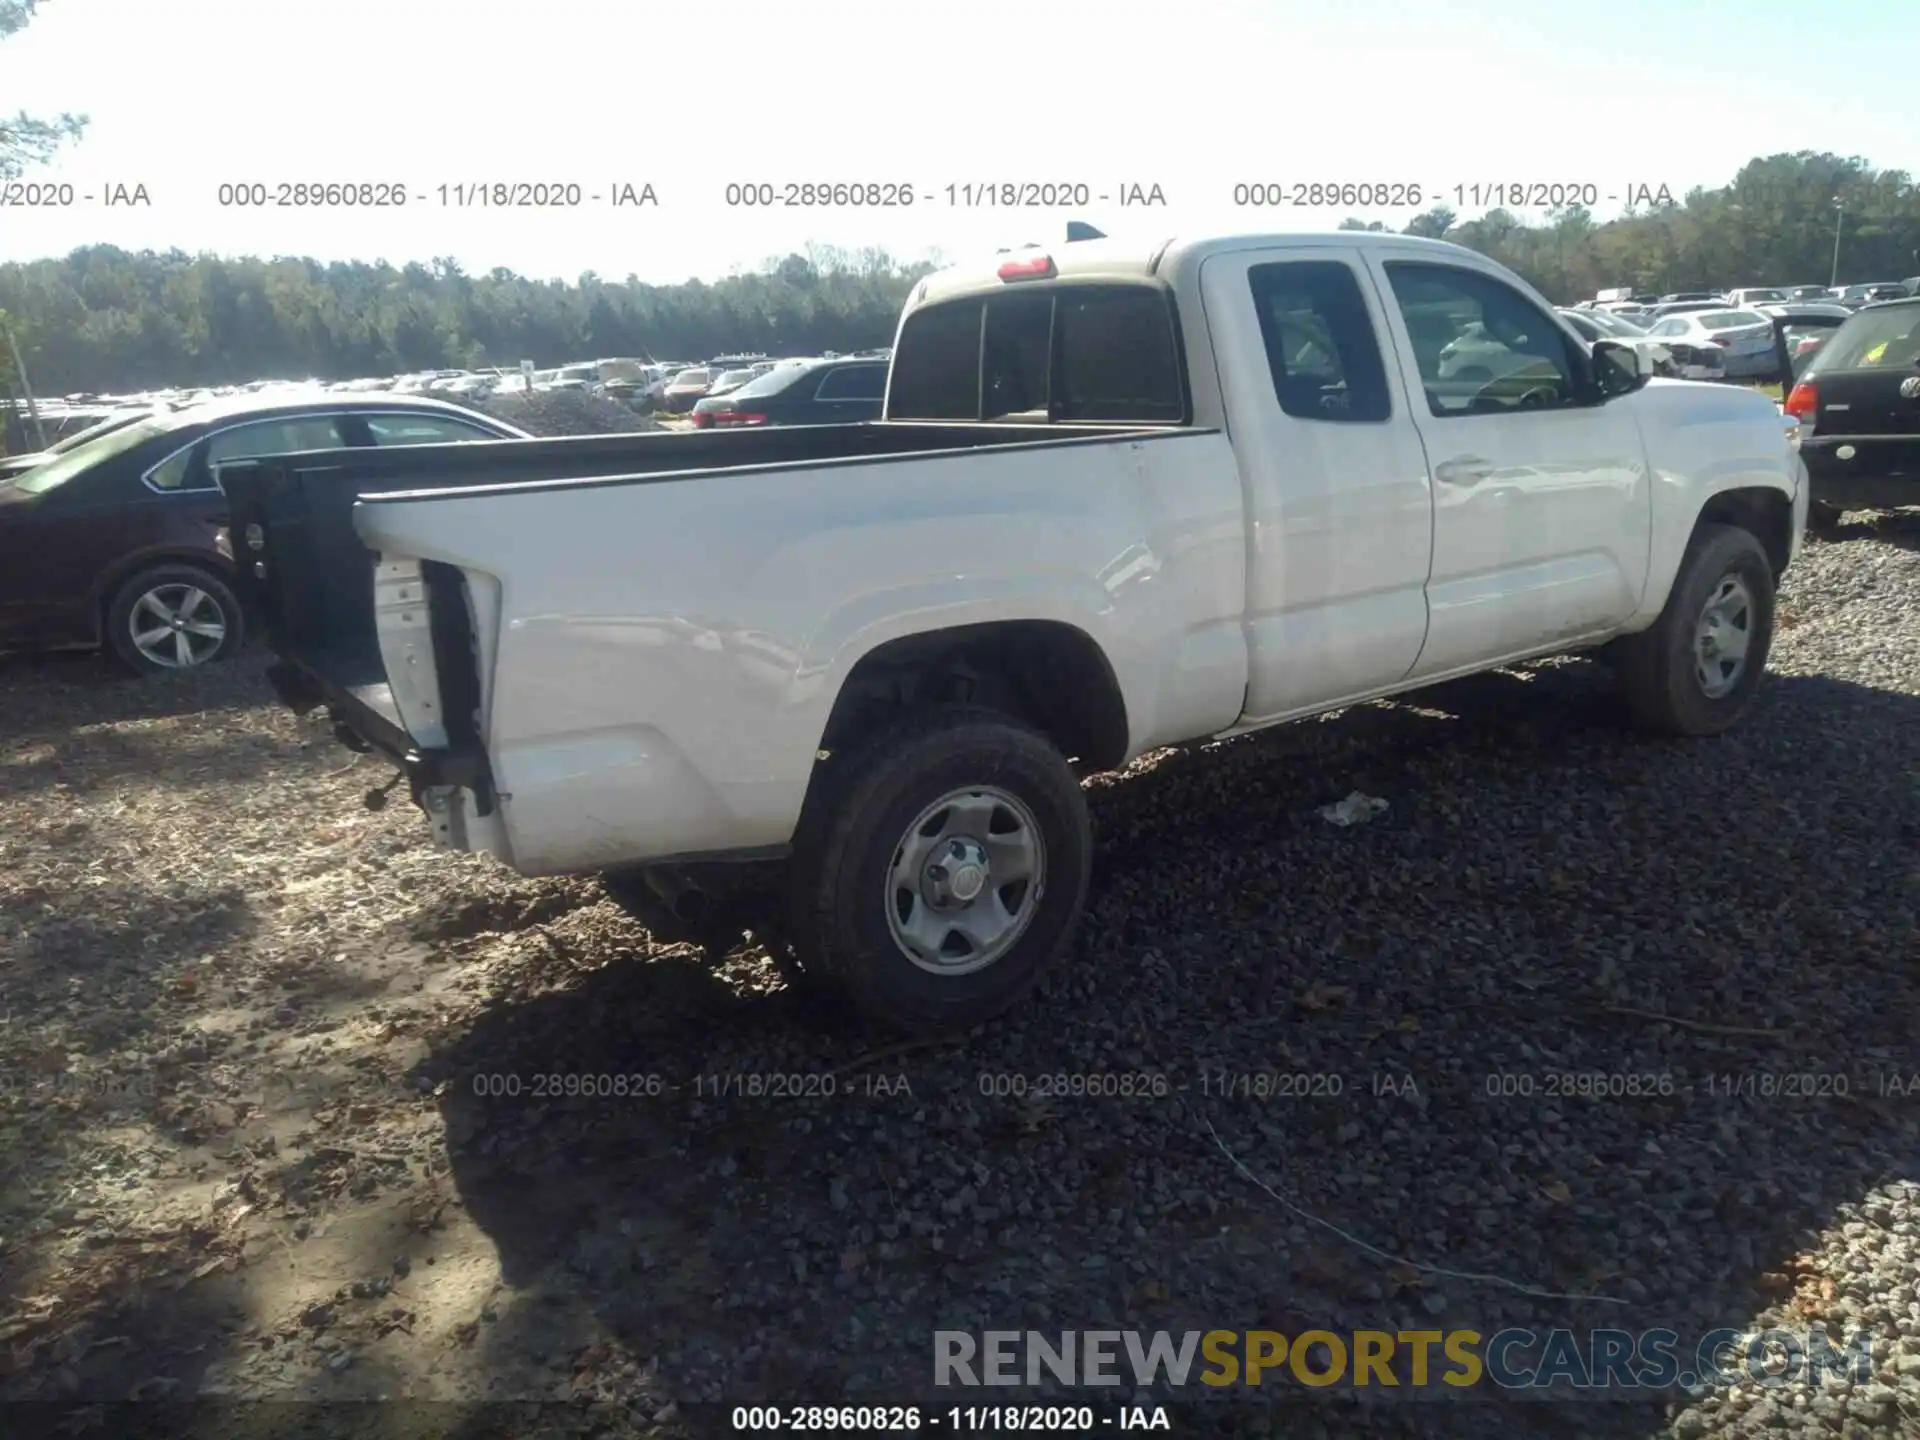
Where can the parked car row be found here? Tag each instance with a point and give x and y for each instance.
(641, 385)
(1644, 309)
(1737, 324)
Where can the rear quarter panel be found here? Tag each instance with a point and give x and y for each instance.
(666, 654)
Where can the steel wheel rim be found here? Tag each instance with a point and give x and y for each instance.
(1723, 636)
(177, 625)
(971, 869)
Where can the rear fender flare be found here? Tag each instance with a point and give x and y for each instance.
(848, 635)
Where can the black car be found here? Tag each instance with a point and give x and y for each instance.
(813, 392)
(122, 541)
(1858, 404)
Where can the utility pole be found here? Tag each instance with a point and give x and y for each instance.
(1839, 216)
(20, 369)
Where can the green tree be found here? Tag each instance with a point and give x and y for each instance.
(104, 319)
(24, 140)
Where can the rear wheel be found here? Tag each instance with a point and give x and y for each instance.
(173, 617)
(941, 869)
(1695, 671)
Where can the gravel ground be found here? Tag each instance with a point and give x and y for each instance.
(244, 1024)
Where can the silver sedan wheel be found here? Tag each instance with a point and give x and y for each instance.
(966, 880)
(176, 625)
(1722, 636)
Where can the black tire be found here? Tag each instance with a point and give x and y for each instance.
(1659, 666)
(853, 834)
(1824, 519)
(174, 583)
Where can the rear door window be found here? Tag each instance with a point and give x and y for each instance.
(283, 436)
(423, 430)
(1062, 352)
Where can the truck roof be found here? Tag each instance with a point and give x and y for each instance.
(1133, 260)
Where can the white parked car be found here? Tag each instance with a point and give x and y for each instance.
(1681, 359)
(1745, 336)
(1746, 299)
(1184, 490)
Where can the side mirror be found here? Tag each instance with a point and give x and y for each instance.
(1617, 369)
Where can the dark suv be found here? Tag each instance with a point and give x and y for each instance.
(122, 541)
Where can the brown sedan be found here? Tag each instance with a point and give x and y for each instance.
(122, 541)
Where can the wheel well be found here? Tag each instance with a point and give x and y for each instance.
(1766, 514)
(1049, 674)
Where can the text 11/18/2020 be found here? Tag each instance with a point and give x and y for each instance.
(445, 195)
(1477, 195)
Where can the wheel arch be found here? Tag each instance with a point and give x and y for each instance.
(1051, 674)
(1765, 513)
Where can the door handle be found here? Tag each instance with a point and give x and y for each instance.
(1467, 470)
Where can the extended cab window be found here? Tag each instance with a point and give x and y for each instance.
(1320, 342)
(936, 364)
(1481, 346)
(1059, 352)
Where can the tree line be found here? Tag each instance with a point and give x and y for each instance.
(106, 319)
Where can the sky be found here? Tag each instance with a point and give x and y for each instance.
(688, 97)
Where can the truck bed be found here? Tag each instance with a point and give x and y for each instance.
(308, 579)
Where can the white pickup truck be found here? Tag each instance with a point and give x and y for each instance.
(1123, 497)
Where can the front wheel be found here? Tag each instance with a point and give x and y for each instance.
(941, 869)
(173, 617)
(1695, 671)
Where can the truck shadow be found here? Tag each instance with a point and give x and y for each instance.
(807, 1239)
